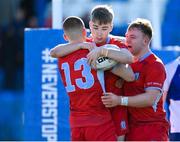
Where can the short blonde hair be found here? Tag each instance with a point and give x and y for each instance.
(143, 25)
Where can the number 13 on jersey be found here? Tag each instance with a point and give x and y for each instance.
(85, 81)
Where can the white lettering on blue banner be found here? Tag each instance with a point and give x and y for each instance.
(49, 97)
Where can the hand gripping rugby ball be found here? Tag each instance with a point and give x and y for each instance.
(106, 63)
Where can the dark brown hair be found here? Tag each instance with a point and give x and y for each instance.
(102, 14)
(73, 26)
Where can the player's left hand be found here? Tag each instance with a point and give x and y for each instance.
(87, 45)
(110, 99)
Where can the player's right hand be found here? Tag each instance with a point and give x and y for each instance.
(110, 99)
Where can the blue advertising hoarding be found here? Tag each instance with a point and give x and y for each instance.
(46, 107)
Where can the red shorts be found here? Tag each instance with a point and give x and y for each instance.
(104, 132)
(147, 132)
(120, 119)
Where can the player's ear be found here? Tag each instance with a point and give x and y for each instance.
(110, 28)
(84, 32)
(65, 37)
(90, 24)
(146, 40)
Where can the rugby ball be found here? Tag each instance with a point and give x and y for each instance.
(106, 63)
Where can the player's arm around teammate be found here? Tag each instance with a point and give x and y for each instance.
(122, 55)
(122, 70)
(65, 49)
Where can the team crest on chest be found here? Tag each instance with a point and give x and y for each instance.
(136, 75)
(123, 124)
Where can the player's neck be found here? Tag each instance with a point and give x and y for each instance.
(142, 53)
(77, 40)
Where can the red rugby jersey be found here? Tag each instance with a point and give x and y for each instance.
(84, 90)
(149, 72)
